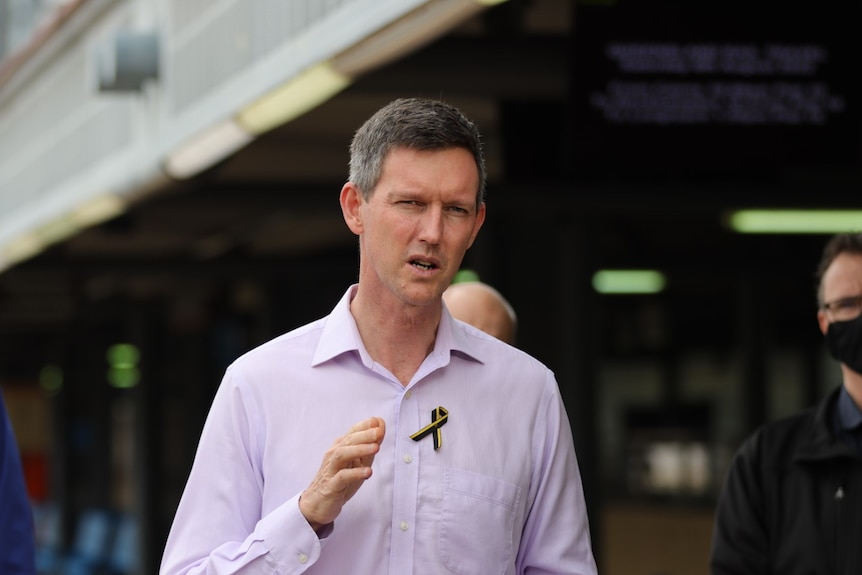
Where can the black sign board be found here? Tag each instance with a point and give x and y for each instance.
(726, 85)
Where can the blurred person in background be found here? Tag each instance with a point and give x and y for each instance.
(792, 500)
(460, 456)
(17, 535)
(483, 307)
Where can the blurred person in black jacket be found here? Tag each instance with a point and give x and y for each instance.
(792, 500)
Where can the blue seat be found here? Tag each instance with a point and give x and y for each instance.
(93, 538)
(125, 558)
(49, 544)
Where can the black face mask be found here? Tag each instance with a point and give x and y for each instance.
(844, 341)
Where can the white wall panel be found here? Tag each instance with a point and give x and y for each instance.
(63, 142)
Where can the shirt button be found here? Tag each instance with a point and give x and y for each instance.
(408, 459)
(407, 394)
(302, 558)
(403, 526)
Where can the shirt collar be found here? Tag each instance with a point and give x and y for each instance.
(849, 414)
(340, 335)
(458, 340)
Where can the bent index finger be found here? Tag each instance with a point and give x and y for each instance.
(367, 430)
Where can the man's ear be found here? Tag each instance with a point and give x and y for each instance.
(477, 225)
(822, 321)
(351, 201)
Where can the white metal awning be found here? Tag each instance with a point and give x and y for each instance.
(87, 125)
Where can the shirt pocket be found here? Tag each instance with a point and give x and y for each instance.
(476, 522)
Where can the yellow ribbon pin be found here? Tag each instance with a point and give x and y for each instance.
(439, 417)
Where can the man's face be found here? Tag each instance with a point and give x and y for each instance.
(420, 220)
(841, 283)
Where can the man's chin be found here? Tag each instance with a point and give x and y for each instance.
(421, 297)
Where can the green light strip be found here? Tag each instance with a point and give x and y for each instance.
(796, 221)
(628, 281)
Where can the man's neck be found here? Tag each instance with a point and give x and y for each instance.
(397, 337)
(853, 384)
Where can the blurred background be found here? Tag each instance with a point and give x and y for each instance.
(662, 178)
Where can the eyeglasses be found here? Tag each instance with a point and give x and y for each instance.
(844, 309)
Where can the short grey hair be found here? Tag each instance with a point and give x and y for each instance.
(414, 123)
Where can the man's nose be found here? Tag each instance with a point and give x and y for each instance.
(431, 225)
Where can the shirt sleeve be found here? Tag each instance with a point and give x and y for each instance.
(17, 545)
(218, 527)
(556, 535)
(739, 537)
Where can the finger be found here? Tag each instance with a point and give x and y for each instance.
(365, 424)
(345, 481)
(370, 430)
(346, 455)
(380, 424)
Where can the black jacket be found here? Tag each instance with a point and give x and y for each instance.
(792, 502)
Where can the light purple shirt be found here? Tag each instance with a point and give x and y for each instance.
(502, 494)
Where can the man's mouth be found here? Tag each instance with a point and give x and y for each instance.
(427, 266)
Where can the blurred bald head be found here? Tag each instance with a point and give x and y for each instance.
(483, 307)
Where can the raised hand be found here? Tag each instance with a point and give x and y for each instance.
(346, 465)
